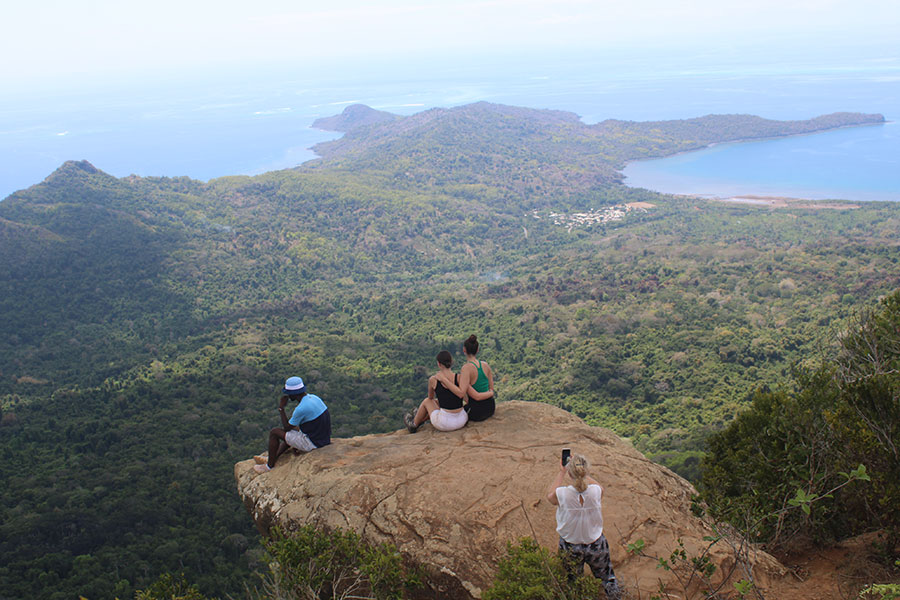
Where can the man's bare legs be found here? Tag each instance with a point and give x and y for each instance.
(277, 447)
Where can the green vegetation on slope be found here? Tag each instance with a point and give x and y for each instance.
(148, 324)
(841, 413)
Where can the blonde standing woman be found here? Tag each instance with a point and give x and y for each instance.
(579, 523)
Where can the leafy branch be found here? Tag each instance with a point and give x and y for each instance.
(688, 569)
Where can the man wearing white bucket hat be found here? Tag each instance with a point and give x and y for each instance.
(308, 428)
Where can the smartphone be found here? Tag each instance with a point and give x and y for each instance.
(566, 453)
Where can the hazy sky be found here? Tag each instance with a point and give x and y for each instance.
(47, 39)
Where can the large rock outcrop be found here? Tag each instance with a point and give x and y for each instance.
(451, 501)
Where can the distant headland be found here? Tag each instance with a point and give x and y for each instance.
(538, 149)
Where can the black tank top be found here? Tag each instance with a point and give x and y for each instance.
(447, 399)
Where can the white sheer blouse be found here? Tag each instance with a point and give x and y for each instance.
(579, 519)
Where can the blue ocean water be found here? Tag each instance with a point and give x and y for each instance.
(859, 163)
(215, 124)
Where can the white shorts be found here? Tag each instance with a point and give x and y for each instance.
(443, 420)
(299, 440)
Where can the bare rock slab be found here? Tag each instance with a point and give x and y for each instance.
(451, 501)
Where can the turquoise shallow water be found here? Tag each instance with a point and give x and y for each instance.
(208, 125)
(858, 163)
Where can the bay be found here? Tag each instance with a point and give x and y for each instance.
(858, 163)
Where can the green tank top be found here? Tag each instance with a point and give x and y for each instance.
(481, 384)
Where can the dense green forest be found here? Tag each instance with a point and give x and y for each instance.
(150, 322)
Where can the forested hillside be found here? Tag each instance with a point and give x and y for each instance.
(149, 322)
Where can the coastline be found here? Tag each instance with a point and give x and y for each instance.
(774, 202)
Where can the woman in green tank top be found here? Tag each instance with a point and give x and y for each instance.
(476, 380)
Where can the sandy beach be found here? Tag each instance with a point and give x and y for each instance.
(787, 202)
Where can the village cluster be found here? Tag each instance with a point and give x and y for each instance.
(600, 216)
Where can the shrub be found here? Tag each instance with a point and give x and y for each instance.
(882, 591)
(169, 587)
(310, 564)
(530, 572)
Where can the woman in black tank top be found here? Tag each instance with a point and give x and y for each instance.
(442, 407)
(447, 399)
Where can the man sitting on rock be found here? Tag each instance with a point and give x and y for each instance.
(308, 428)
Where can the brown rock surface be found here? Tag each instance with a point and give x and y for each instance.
(451, 501)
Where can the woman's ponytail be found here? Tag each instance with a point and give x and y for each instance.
(578, 468)
(471, 345)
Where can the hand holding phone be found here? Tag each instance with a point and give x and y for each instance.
(566, 453)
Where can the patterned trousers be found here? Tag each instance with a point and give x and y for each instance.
(596, 555)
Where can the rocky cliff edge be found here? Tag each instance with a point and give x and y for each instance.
(451, 501)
